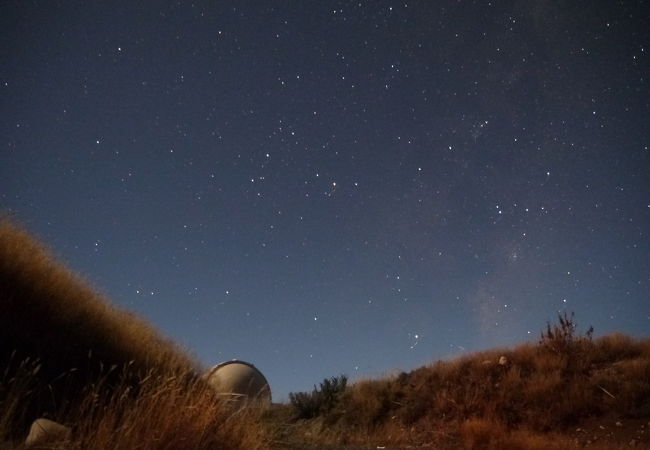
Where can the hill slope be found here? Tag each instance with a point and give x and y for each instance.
(49, 314)
(567, 391)
(66, 353)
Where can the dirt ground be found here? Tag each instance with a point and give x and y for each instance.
(632, 433)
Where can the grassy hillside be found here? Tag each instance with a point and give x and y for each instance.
(68, 354)
(49, 312)
(565, 392)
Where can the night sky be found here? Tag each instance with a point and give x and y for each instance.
(325, 187)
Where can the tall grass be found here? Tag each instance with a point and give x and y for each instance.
(48, 310)
(160, 412)
(67, 354)
(49, 314)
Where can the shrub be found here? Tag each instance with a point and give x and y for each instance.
(572, 349)
(319, 401)
(561, 338)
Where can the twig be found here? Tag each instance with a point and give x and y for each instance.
(606, 391)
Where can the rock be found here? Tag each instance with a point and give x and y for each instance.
(619, 424)
(44, 431)
(503, 361)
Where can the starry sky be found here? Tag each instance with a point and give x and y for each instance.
(327, 187)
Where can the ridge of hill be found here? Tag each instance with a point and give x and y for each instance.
(49, 314)
(567, 391)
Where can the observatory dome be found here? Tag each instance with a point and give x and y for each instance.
(240, 381)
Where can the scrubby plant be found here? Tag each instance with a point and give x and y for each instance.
(320, 400)
(563, 340)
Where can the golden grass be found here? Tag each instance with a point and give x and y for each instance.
(472, 402)
(161, 412)
(67, 354)
(49, 314)
(39, 296)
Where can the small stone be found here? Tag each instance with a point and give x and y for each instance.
(619, 424)
(44, 431)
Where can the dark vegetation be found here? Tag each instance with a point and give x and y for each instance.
(321, 401)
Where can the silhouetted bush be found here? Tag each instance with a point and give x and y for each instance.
(563, 340)
(320, 400)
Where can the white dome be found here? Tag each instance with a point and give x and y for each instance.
(240, 381)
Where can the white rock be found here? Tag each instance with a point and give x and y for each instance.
(45, 431)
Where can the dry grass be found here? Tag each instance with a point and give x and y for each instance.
(38, 294)
(67, 354)
(161, 412)
(532, 401)
(492, 435)
(49, 314)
